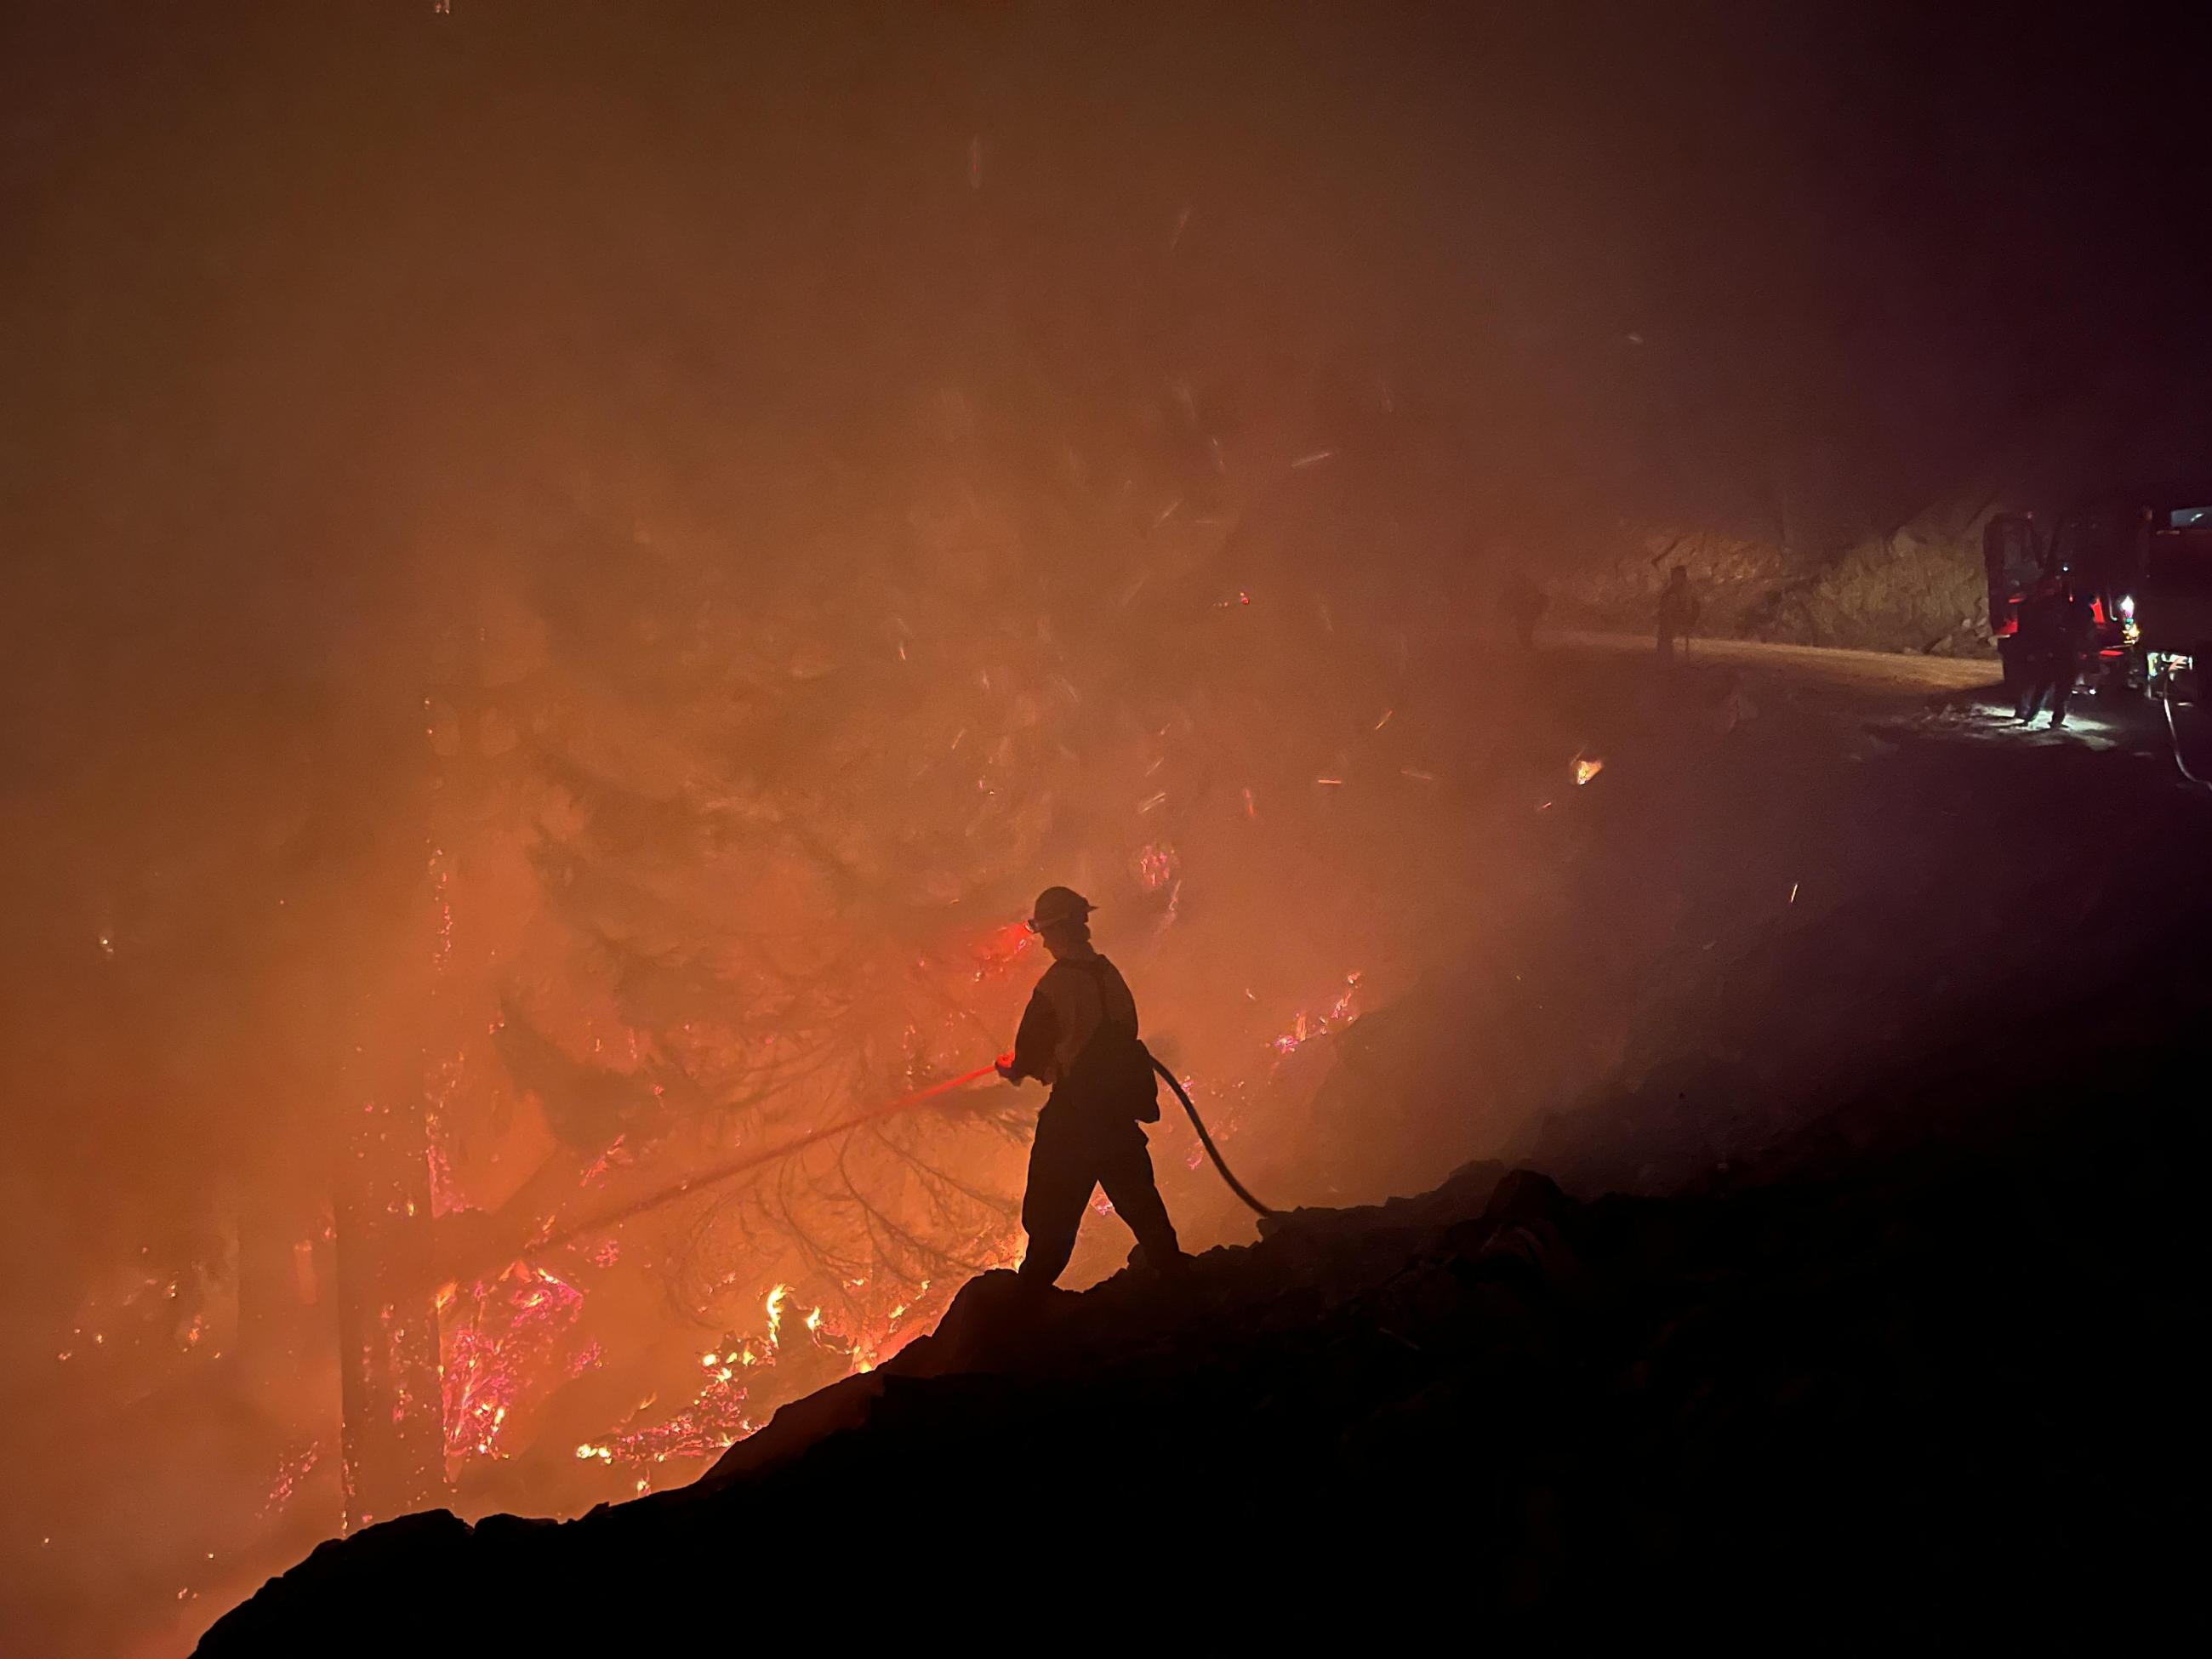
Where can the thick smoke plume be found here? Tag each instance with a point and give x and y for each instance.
(573, 568)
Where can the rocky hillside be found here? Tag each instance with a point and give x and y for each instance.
(1936, 1385)
(1918, 589)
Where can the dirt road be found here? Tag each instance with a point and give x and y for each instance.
(1873, 672)
(1795, 869)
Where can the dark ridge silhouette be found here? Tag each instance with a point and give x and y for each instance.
(1883, 1382)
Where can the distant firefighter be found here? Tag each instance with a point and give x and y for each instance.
(1522, 605)
(2047, 650)
(1678, 612)
(1078, 1037)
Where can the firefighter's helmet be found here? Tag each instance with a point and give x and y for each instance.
(1056, 907)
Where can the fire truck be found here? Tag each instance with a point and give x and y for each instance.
(2141, 563)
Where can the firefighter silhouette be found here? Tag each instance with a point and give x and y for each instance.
(1078, 1037)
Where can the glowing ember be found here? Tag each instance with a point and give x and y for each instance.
(1156, 865)
(289, 1474)
(712, 1423)
(614, 1156)
(1586, 769)
(1306, 1026)
(1340, 1011)
(715, 1419)
(1000, 949)
(510, 1331)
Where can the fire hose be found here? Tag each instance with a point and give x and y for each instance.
(2174, 733)
(1220, 1164)
(907, 1102)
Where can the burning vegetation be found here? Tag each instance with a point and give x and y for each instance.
(635, 937)
(571, 576)
(670, 955)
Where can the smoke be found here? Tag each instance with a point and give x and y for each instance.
(580, 565)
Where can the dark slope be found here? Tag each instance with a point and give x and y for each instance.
(1917, 1348)
(1941, 1383)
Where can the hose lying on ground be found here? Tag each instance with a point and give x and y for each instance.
(2173, 733)
(1207, 1140)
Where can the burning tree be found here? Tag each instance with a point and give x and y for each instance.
(704, 905)
(732, 841)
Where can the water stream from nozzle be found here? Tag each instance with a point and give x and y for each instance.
(691, 1184)
(906, 1102)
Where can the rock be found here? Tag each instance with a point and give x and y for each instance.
(799, 1427)
(989, 1325)
(1524, 1195)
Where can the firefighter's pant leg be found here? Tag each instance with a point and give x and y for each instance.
(1068, 1160)
(2021, 671)
(1125, 1170)
(1061, 1175)
(2064, 673)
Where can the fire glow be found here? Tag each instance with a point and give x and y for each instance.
(683, 1137)
(505, 1337)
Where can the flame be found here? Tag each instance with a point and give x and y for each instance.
(775, 1301)
(513, 1339)
(716, 1418)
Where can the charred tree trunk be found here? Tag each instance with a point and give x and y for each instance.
(388, 1266)
(283, 1298)
(391, 1393)
(394, 1427)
